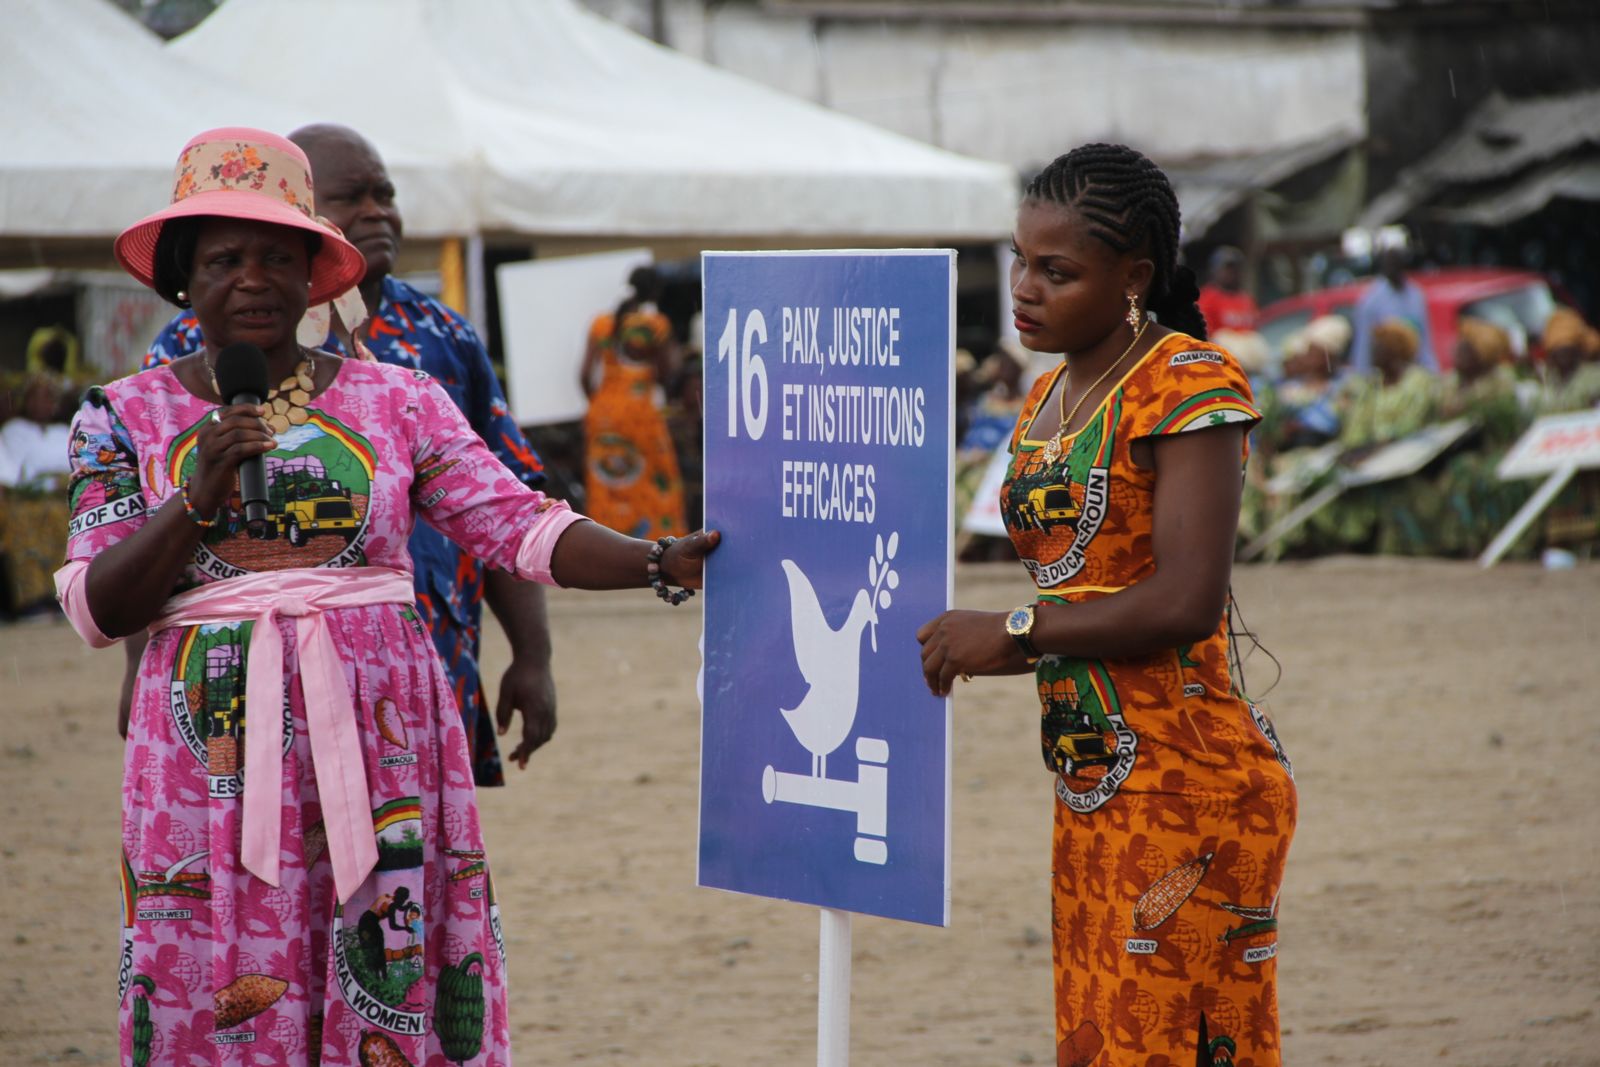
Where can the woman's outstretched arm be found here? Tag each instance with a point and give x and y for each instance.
(591, 556)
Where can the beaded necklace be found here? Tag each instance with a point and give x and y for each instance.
(288, 401)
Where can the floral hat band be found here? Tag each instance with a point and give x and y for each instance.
(241, 173)
(245, 167)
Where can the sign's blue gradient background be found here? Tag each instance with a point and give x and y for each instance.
(792, 851)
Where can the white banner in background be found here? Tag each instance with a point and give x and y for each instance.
(546, 306)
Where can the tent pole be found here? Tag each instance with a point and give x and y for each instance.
(477, 291)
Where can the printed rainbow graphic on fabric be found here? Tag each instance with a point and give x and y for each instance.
(359, 448)
(185, 443)
(396, 811)
(184, 649)
(1203, 405)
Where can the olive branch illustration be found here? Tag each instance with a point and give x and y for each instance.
(882, 577)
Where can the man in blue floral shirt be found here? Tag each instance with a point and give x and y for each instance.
(411, 329)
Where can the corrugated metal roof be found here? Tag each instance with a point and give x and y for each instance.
(1577, 179)
(1209, 189)
(1500, 141)
(1291, 13)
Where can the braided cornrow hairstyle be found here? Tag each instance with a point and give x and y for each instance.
(1130, 205)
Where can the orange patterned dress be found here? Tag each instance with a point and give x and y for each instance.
(1175, 802)
(631, 469)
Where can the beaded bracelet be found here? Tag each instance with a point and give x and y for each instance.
(652, 567)
(189, 510)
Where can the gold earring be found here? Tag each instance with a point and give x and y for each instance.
(1134, 315)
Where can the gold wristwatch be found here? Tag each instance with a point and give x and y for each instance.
(1019, 624)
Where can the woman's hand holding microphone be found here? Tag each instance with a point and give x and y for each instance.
(233, 434)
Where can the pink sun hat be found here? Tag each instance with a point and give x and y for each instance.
(239, 173)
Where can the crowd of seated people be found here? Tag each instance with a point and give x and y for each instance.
(34, 447)
(1322, 416)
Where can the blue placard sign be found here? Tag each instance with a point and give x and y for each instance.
(824, 760)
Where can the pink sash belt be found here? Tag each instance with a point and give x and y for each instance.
(303, 595)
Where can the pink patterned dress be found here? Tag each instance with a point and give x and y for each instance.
(218, 966)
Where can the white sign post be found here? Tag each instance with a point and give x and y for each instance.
(833, 989)
(1557, 446)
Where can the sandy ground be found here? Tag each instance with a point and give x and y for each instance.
(1442, 902)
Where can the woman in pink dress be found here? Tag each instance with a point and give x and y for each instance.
(304, 878)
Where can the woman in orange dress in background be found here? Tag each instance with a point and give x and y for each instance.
(1174, 802)
(631, 475)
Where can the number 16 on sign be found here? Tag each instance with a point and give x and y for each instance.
(747, 372)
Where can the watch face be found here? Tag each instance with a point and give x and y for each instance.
(1019, 621)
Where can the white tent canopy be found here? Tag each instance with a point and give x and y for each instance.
(555, 121)
(93, 120)
(97, 109)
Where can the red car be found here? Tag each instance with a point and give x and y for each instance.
(1518, 301)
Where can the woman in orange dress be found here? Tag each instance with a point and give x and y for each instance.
(631, 469)
(1174, 803)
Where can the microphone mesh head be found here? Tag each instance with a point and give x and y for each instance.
(242, 368)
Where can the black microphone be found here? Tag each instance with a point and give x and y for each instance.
(242, 379)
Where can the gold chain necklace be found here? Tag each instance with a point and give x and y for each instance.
(288, 401)
(1054, 447)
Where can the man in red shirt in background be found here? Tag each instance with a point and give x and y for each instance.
(1223, 300)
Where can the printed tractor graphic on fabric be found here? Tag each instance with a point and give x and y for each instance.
(1073, 736)
(304, 501)
(1049, 506)
(830, 662)
(224, 714)
(1042, 507)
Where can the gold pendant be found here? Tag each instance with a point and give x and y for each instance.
(1052, 449)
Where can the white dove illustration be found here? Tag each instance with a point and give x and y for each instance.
(830, 661)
